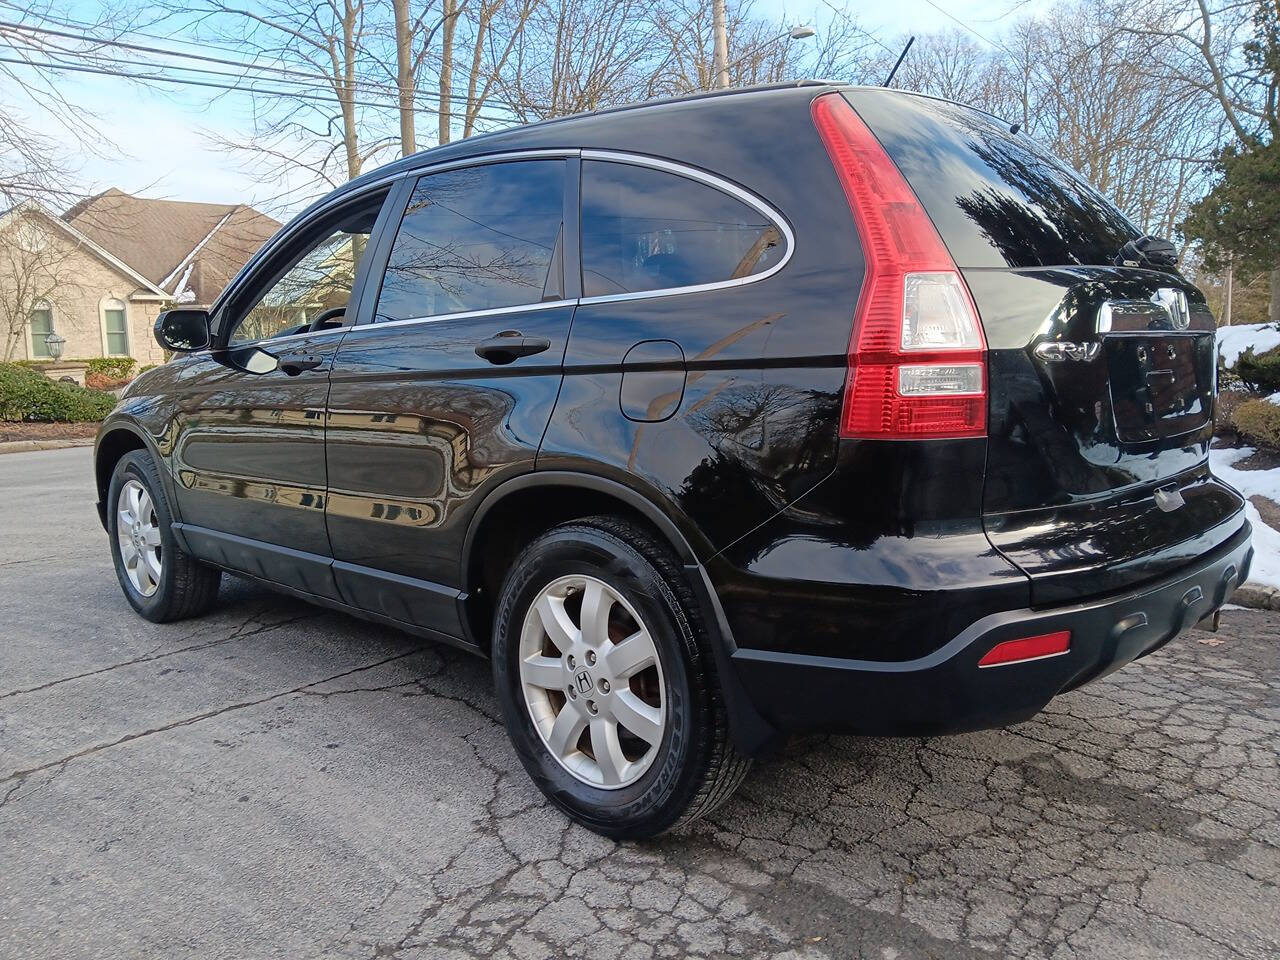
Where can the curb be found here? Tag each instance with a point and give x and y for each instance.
(1256, 597)
(27, 446)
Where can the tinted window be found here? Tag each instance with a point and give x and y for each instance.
(476, 239)
(645, 229)
(998, 199)
(316, 278)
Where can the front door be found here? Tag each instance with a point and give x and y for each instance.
(248, 445)
(448, 387)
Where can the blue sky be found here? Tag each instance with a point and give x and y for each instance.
(159, 145)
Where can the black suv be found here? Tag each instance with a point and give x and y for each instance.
(801, 408)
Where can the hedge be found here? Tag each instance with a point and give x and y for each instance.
(1260, 372)
(113, 368)
(1258, 422)
(28, 395)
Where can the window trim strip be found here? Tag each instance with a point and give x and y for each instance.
(467, 314)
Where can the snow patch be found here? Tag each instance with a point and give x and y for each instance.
(1253, 483)
(1233, 341)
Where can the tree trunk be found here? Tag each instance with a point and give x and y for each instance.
(404, 77)
(1274, 312)
(446, 66)
(721, 57)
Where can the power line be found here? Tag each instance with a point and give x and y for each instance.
(986, 40)
(391, 89)
(209, 84)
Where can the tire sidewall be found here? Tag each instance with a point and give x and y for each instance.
(137, 466)
(655, 800)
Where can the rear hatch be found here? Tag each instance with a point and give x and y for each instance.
(1101, 378)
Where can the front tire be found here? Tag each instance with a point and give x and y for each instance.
(159, 579)
(605, 675)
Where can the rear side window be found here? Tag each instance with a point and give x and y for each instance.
(998, 199)
(645, 229)
(477, 239)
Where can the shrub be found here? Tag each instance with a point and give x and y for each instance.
(113, 368)
(1259, 422)
(28, 395)
(149, 366)
(1224, 411)
(1260, 372)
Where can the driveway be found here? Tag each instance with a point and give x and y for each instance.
(278, 781)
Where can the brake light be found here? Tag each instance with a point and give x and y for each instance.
(1027, 648)
(917, 358)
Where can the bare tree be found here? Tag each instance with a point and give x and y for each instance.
(36, 272)
(1205, 51)
(326, 129)
(578, 55)
(32, 166)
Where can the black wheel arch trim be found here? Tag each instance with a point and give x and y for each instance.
(752, 734)
(122, 424)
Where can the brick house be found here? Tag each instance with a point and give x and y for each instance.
(101, 273)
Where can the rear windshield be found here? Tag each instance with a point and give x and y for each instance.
(997, 198)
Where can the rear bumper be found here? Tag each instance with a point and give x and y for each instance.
(947, 692)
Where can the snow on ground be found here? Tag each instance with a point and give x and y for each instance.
(1253, 483)
(1233, 341)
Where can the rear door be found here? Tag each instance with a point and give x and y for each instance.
(446, 385)
(1101, 376)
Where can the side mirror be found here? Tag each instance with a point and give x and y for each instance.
(183, 330)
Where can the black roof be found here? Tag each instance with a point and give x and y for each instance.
(540, 133)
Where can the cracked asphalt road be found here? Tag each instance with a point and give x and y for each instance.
(278, 781)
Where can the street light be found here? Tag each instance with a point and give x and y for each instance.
(801, 31)
(54, 344)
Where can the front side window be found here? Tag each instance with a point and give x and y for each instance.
(313, 290)
(41, 327)
(479, 238)
(113, 321)
(646, 229)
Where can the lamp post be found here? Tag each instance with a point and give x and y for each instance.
(54, 344)
(799, 32)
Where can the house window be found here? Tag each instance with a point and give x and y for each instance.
(115, 330)
(41, 327)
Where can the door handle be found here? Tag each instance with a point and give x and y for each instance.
(510, 345)
(294, 363)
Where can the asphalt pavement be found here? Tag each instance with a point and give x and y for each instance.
(275, 780)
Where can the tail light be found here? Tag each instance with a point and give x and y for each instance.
(917, 366)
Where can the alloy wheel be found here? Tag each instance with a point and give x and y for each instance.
(138, 533)
(592, 680)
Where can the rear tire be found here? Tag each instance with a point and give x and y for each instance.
(159, 579)
(624, 728)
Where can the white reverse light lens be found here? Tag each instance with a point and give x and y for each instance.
(939, 380)
(936, 314)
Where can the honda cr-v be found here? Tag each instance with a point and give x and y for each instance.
(804, 408)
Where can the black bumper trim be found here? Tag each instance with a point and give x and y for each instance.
(945, 691)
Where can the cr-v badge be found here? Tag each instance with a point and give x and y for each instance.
(1061, 350)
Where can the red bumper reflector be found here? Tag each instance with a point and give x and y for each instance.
(1028, 648)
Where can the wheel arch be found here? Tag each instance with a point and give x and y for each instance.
(120, 438)
(521, 508)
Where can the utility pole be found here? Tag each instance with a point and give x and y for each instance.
(720, 59)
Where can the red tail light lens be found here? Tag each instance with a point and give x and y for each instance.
(917, 366)
(1027, 648)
